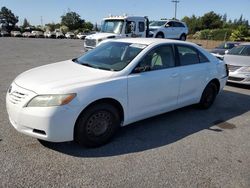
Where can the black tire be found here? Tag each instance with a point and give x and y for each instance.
(97, 125)
(160, 35)
(183, 37)
(208, 96)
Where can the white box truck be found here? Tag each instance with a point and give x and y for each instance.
(119, 27)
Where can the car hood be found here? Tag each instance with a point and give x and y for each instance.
(59, 77)
(237, 60)
(102, 36)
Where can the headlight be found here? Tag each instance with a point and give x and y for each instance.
(245, 69)
(51, 100)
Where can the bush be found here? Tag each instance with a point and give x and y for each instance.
(64, 29)
(213, 34)
(240, 34)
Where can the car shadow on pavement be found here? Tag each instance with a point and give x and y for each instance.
(165, 129)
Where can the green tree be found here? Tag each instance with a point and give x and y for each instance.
(88, 26)
(72, 20)
(96, 27)
(193, 22)
(64, 29)
(8, 19)
(25, 23)
(211, 20)
(52, 26)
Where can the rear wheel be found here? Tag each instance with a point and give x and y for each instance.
(97, 125)
(183, 37)
(208, 96)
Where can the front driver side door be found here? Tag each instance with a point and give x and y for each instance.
(154, 91)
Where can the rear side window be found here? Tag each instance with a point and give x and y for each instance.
(203, 58)
(178, 24)
(141, 26)
(189, 55)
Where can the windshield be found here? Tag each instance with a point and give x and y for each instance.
(226, 46)
(113, 56)
(242, 50)
(157, 23)
(112, 26)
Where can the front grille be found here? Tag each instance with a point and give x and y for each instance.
(90, 42)
(233, 68)
(17, 97)
(235, 78)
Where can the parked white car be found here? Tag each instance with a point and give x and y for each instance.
(238, 61)
(81, 36)
(38, 34)
(117, 83)
(59, 35)
(70, 35)
(16, 34)
(171, 29)
(49, 34)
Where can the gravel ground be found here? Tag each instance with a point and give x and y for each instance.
(183, 148)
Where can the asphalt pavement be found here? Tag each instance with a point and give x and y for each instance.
(184, 148)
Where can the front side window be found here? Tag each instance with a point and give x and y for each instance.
(130, 27)
(160, 58)
(170, 24)
(112, 26)
(188, 55)
(113, 56)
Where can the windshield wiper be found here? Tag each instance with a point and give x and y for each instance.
(88, 65)
(75, 60)
(103, 68)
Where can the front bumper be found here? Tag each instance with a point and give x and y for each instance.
(239, 78)
(55, 124)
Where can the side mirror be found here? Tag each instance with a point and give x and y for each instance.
(141, 69)
(167, 25)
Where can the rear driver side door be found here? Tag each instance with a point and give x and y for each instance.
(193, 66)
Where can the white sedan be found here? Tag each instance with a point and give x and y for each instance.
(119, 82)
(238, 61)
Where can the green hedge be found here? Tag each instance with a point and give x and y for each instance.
(213, 34)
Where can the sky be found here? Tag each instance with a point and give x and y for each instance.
(47, 11)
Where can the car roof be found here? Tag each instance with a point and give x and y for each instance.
(245, 43)
(168, 20)
(149, 41)
(230, 42)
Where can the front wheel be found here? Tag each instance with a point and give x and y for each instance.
(160, 35)
(208, 96)
(97, 125)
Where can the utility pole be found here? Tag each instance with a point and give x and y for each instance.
(175, 11)
(41, 21)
